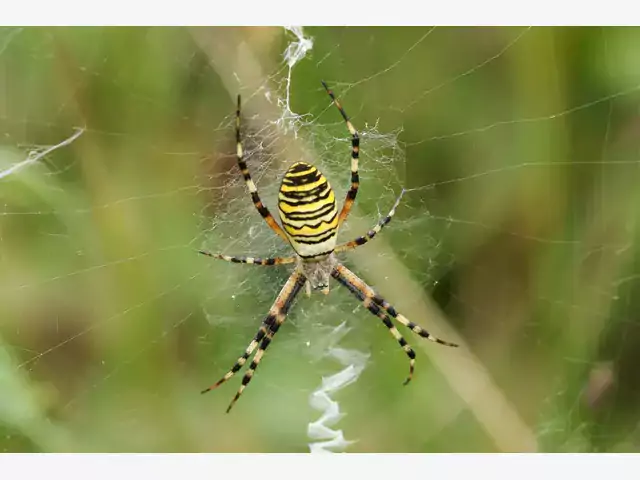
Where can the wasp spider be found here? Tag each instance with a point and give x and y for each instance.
(310, 223)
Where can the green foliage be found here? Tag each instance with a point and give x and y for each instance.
(522, 150)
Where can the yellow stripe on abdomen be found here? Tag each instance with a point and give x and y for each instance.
(308, 210)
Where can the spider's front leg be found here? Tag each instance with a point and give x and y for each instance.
(382, 309)
(267, 331)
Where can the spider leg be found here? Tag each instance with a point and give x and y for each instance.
(264, 328)
(380, 307)
(249, 260)
(253, 190)
(279, 312)
(373, 232)
(355, 152)
(381, 314)
(265, 334)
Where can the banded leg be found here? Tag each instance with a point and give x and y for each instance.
(249, 260)
(262, 332)
(374, 303)
(382, 315)
(279, 312)
(270, 326)
(373, 232)
(377, 299)
(253, 190)
(355, 153)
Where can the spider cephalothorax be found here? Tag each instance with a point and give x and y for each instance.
(310, 218)
(318, 272)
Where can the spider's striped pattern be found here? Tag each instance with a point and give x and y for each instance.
(310, 223)
(308, 210)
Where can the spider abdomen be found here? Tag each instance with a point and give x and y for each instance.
(308, 210)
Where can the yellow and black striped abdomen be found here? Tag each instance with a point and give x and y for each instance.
(308, 210)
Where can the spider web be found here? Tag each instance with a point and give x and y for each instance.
(516, 238)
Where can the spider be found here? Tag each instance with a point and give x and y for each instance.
(310, 223)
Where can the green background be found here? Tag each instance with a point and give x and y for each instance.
(521, 147)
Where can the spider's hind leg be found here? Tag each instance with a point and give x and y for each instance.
(251, 186)
(355, 154)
